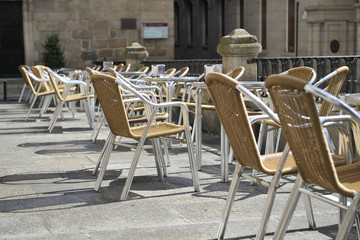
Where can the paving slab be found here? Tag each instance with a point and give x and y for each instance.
(47, 189)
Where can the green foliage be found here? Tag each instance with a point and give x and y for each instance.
(53, 55)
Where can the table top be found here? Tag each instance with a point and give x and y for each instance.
(132, 73)
(171, 79)
(352, 98)
(247, 84)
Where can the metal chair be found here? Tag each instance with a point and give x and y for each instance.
(233, 115)
(38, 88)
(294, 102)
(112, 103)
(66, 97)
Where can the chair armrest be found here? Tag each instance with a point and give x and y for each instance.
(258, 102)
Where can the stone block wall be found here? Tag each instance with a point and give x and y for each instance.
(95, 24)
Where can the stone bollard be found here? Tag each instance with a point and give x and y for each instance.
(134, 54)
(236, 49)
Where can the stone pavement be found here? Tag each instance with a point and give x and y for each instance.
(46, 189)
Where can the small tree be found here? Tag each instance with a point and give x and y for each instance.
(53, 55)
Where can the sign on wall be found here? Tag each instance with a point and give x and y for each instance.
(155, 30)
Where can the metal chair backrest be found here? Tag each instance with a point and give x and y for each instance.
(300, 122)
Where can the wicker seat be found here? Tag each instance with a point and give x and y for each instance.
(294, 102)
(112, 103)
(233, 115)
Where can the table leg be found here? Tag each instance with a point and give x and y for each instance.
(198, 133)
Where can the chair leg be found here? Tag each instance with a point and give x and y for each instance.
(89, 114)
(157, 159)
(357, 221)
(270, 198)
(309, 211)
(166, 151)
(31, 107)
(345, 227)
(22, 93)
(193, 163)
(97, 127)
(288, 210)
(102, 154)
(134, 163)
(161, 155)
(104, 162)
(45, 105)
(55, 116)
(28, 96)
(224, 160)
(230, 199)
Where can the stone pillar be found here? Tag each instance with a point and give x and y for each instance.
(134, 54)
(236, 49)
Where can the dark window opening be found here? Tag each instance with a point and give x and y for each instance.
(222, 17)
(263, 24)
(177, 23)
(241, 13)
(291, 26)
(189, 19)
(204, 22)
(11, 38)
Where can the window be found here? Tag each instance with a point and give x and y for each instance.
(222, 18)
(263, 24)
(290, 26)
(241, 13)
(204, 21)
(177, 23)
(189, 22)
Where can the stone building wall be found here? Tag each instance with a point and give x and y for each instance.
(95, 24)
(319, 23)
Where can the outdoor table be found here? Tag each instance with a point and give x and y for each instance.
(200, 86)
(353, 99)
(169, 84)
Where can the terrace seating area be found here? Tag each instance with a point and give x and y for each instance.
(48, 165)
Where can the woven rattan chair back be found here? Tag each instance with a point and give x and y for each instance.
(144, 69)
(237, 73)
(305, 73)
(334, 87)
(233, 115)
(119, 67)
(108, 93)
(170, 71)
(300, 122)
